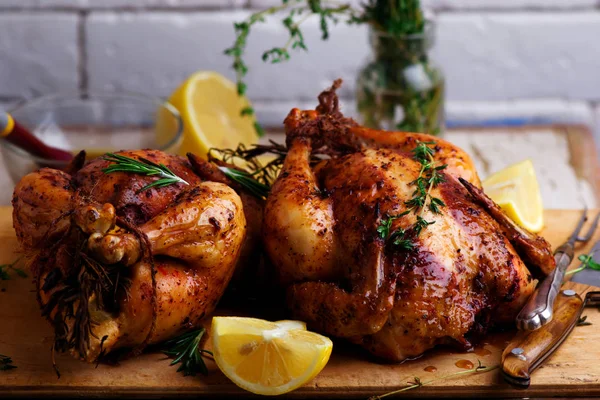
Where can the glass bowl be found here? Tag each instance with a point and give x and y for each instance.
(97, 122)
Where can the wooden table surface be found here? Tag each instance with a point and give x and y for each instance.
(573, 371)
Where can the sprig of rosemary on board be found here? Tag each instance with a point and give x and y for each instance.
(142, 166)
(417, 383)
(586, 262)
(582, 321)
(4, 268)
(429, 177)
(297, 12)
(185, 350)
(6, 363)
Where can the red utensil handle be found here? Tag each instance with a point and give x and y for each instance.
(21, 137)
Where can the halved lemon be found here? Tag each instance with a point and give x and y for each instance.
(268, 358)
(210, 108)
(517, 191)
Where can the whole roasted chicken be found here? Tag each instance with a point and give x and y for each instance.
(386, 238)
(119, 265)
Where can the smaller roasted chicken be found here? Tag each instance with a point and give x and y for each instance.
(388, 239)
(121, 266)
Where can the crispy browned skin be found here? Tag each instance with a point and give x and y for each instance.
(194, 233)
(320, 232)
(250, 257)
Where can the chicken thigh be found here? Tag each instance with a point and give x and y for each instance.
(119, 267)
(463, 273)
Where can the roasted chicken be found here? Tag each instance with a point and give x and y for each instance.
(467, 270)
(117, 267)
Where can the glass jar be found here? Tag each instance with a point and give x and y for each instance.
(401, 88)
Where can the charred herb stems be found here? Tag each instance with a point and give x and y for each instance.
(429, 177)
(260, 177)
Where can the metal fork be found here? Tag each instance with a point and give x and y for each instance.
(538, 310)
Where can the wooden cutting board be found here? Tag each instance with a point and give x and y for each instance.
(574, 370)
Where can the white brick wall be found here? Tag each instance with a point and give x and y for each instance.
(494, 56)
(134, 4)
(38, 53)
(509, 4)
(154, 52)
(530, 60)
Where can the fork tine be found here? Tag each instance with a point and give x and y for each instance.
(591, 231)
(580, 222)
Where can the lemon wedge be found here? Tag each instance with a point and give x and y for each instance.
(515, 189)
(268, 358)
(210, 108)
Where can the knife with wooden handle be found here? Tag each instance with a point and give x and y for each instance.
(529, 349)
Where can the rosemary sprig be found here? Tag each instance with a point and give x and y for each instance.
(429, 177)
(6, 363)
(249, 157)
(298, 11)
(185, 350)
(586, 262)
(247, 181)
(417, 383)
(142, 166)
(582, 321)
(4, 268)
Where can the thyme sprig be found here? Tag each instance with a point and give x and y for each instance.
(586, 262)
(417, 382)
(298, 11)
(6, 363)
(429, 177)
(142, 166)
(185, 350)
(4, 268)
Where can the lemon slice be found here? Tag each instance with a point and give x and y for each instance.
(516, 190)
(210, 108)
(268, 358)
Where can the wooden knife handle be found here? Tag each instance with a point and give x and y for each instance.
(529, 349)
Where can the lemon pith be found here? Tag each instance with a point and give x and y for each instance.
(268, 358)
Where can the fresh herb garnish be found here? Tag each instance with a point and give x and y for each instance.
(429, 177)
(4, 268)
(142, 166)
(185, 350)
(247, 181)
(417, 382)
(298, 11)
(6, 363)
(586, 262)
(250, 159)
(582, 321)
(394, 19)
